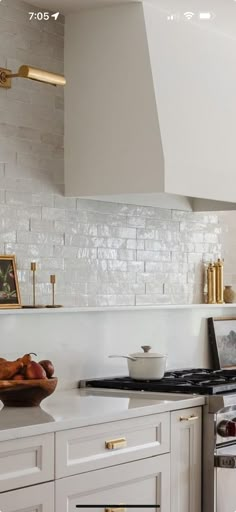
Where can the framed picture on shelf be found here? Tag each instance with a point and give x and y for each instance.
(222, 338)
(9, 287)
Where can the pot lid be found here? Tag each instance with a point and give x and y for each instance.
(146, 354)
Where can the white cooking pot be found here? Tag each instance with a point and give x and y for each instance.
(145, 365)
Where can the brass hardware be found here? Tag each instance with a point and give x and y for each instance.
(115, 444)
(40, 75)
(219, 266)
(211, 284)
(5, 80)
(188, 418)
(118, 509)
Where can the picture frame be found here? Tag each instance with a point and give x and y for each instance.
(9, 286)
(222, 339)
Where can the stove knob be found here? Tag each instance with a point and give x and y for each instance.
(227, 428)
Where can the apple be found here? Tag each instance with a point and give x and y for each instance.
(48, 367)
(34, 370)
(18, 376)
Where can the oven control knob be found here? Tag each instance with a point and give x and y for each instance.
(227, 428)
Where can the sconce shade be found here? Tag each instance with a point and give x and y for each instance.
(41, 75)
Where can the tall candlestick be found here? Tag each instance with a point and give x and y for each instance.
(33, 269)
(53, 281)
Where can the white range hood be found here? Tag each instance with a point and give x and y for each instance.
(150, 103)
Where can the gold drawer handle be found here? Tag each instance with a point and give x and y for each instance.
(121, 509)
(115, 444)
(188, 418)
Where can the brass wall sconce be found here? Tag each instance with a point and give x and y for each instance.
(39, 75)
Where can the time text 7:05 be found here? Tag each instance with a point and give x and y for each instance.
(39, 16)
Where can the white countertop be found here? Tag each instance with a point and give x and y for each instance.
(76, 408)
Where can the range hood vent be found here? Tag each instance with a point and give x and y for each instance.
(150, 105)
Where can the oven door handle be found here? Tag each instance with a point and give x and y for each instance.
(225, 461)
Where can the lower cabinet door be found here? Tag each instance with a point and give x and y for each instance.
(38, 498)
(186, 468)
(144, 482)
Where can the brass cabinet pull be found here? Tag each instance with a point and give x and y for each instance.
(115, 444)
(121, 509)
(188, 418)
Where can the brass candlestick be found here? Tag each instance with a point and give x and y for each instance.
(33, 269)
(53, 282)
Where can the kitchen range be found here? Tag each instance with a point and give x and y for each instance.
(219, 424)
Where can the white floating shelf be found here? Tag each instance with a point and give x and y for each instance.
(69, 310)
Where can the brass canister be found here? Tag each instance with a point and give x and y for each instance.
(219, 268)
(211, 284)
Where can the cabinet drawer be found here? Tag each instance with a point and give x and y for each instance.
(89, 448)
(144, 482)
(26, 461)
(39, 498)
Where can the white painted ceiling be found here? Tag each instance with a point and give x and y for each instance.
(65, 6)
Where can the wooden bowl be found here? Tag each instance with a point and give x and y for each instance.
(26, 393)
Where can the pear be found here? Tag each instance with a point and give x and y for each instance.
(18, 376)
(48, 367)
(34, 370)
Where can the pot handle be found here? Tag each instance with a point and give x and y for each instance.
(125, 357)
(146, 348)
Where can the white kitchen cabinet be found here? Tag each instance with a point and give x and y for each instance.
(89, 448)
(186, 432)
(38, 498)
(26, 461)
(144, 482)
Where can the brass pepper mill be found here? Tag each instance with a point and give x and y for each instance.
(219, 266)
(205, 284)
(211, 284)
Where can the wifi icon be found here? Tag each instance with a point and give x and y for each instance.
(189, 15)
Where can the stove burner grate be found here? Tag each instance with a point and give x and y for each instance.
(200, 381)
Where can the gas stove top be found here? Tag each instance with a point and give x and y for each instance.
(197, 380)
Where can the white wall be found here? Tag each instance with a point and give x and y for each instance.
(102, 253)
(79, 343)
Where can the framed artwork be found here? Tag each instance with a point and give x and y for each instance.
(9, 287)
(222, 338)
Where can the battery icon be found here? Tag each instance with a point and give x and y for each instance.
(205, 15)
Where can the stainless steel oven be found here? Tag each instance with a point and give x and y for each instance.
(225, 479)
(219, 454)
